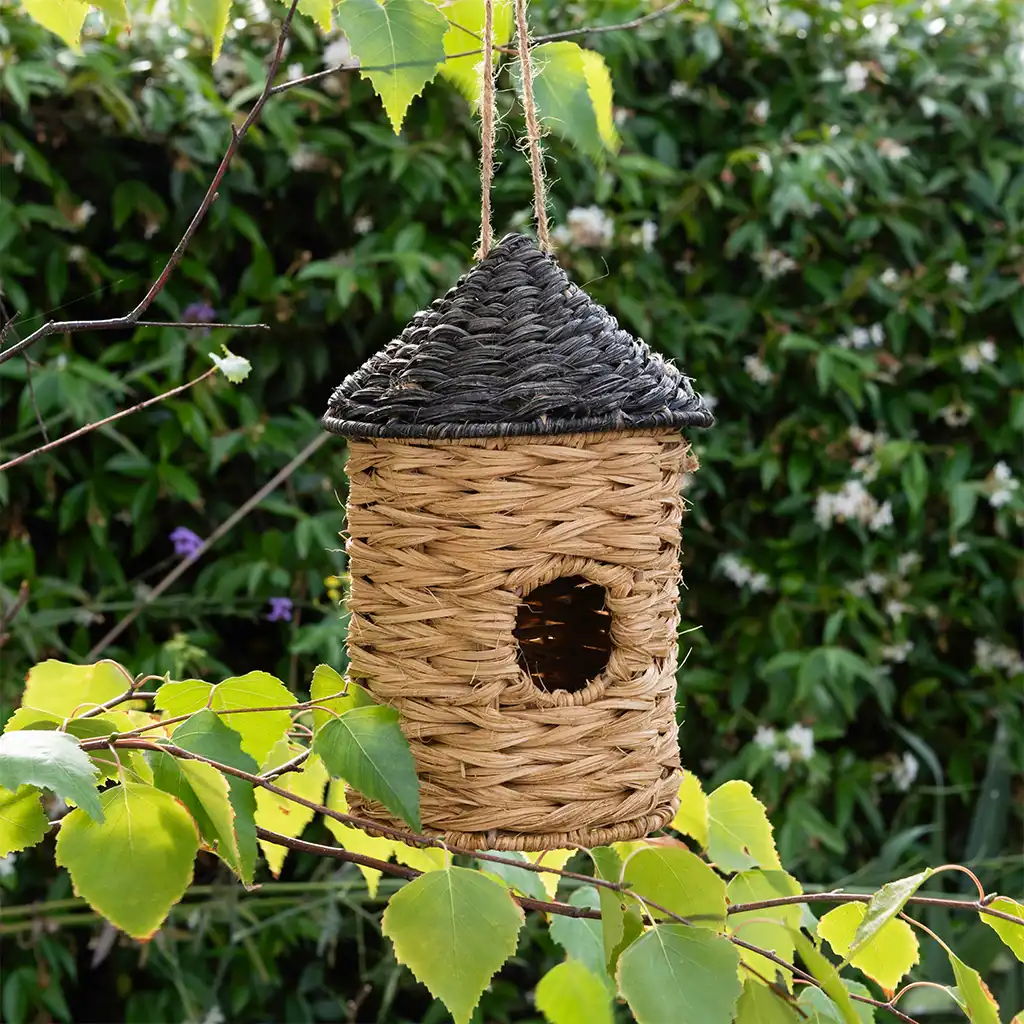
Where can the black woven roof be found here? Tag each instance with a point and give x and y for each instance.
(513, 349)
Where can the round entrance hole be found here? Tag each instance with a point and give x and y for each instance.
(564, 634)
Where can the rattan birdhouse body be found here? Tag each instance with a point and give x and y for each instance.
(514, 519)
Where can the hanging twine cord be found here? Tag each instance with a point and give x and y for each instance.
(533, 130)
(487, 119)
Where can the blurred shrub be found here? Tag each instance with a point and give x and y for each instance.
(818, 212)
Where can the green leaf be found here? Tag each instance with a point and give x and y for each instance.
(621, 923)
(453, 929)
(50, 760)
(206, 735)
(760, 1005)
(235, 368)
(681, 882)
(116, 11)
(212, 16)
(402, 40)
(582, 938)
(63, 18)
(277, 814)
(680, 974)
(207, 794)
(827, 977)
(770, 927)
(60, 689)
(319, 11)
(355, 840)
(739, 832)
(562, 94)
(822, 1010)
(525, 882)
(972, 994)
(599, 86)
(884, 906)
(571, 994)
(888, 954)
(1012, 934)
(182, 698)
(692, 817)
(465, 18)
(366, 747)
(23, 822)
(137, 864)
(326, 682)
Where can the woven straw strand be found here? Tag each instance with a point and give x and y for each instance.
(487, 119)
(533, 130)
(447, 540)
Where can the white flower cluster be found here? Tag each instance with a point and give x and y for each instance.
(796, 744)
(760, 111)
(956, 273)
(742, 575)
(855, 77)
(890, 277)
(957, 413)
(897, 653)
(773, 264)
(757, 370)
(905, 772)
(892, 150)
(586, 226)
(645, 236)
(1001, 484)
(974, 355)
(852, 501)
(989, 656)
(863, 337)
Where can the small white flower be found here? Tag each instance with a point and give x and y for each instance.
(7, 867)
(765, 737)
(803, 739)
(877, 333)
(956, 274)
(757, 370)
(759, 582)
(896, 610)
(761, 111)
(856, 76)
(882, 517)
(591, 227)
(958, 549)
(928, 106)
(764, 163)
(867, 467)
(956, 414)
(678, 90)
(1002, 472)
(989, 656)
(908, 562)
(305, 159)
(77, 254)
(646, 235)
(782, 759)
(860, 337)
(772, 263)
(295, 71)
(848, 187)
(897, 653)
(18, 163)
(1001, 484)
(362, 225)
(892, 150)
(1000, 497)
(988, 351)
(905, 772)
(863, 440)
(81, 215)
(876, 582)
(970, 360)
(339, 54)
(890, 278)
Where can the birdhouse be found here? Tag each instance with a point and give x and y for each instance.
(514, 510)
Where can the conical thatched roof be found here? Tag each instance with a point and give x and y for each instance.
(513, 349)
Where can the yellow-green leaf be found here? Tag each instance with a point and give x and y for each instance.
(1012, 934)
(972, 994)
(599, 86)
(824, 972)
(23, 822)
(680, 974)
(422, 858)
(355, 840)
(453, 929)
(278, 814)
(739, 833)
(60, 689)
(466, 27)
(760, 1005)
(692, 817)
(116, 11)
(885, 905)
(885, 958)
(551, 859)
(212, 16)
(137, 864)
(679, 881)
(571, 994)
(260, 730)
(400, 43)
(771, 927)
(325, 684)
(621, 921)
(63, 18)
(319, 11)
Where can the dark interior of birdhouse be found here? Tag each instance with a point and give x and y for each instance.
(564, 634)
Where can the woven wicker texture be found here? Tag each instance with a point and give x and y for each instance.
(451, 545)
(514, 349)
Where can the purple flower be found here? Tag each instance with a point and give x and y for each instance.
(186, 543)
(199, 313)
(280, 609)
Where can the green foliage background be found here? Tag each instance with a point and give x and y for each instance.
(739, 140)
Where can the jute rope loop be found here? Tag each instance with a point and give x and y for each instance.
(533, 130)
(487, 121)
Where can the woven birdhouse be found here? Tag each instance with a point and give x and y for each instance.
(513, 536)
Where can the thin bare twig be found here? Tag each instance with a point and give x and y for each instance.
(89, 427)
(7, 614)
(130, 320)
(32, 398)
(239, 514)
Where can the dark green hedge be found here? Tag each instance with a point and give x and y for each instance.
(820, 219)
